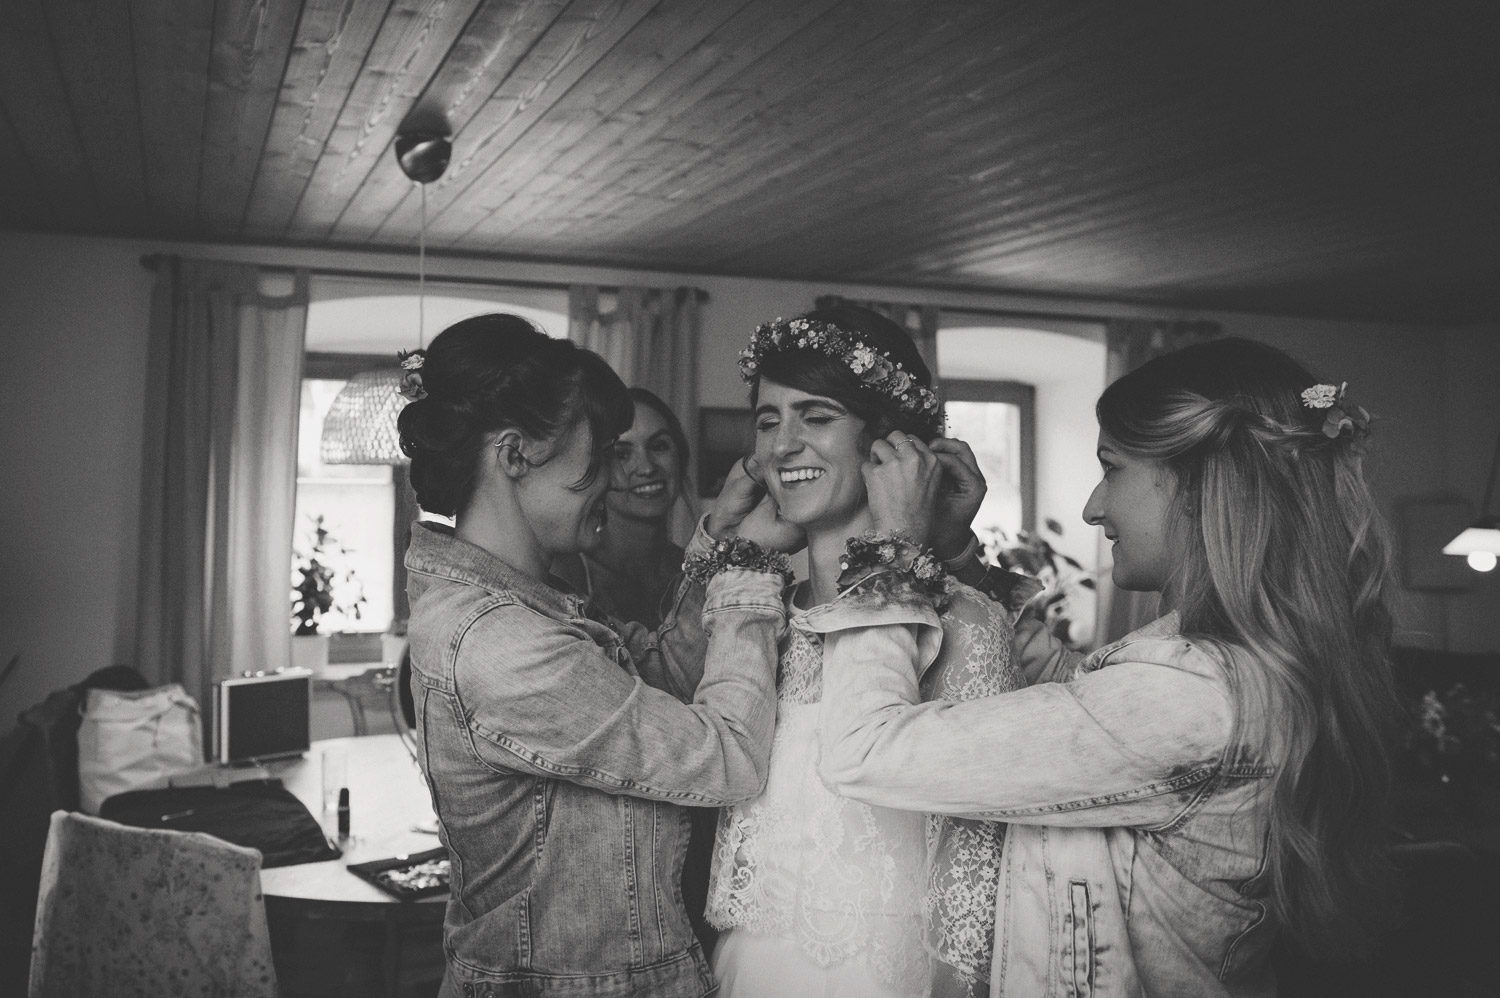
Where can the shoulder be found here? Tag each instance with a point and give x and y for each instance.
(1175, 651)
(976, 657)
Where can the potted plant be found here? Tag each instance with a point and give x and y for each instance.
(1068, 603)
(321, 584)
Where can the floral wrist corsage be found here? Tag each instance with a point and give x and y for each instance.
(873, 555)
(736, 552)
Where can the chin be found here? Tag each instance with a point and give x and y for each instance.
(1131, 582)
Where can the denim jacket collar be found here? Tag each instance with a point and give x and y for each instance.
(437, 552)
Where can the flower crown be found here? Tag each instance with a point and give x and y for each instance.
(411, 381)
(1343, 414)
(874, 369)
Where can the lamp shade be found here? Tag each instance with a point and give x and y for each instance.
(360, 427)
(1482, 537)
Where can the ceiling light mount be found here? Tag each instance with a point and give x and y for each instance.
(423, 155)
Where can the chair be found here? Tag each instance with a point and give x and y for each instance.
(38, 775)
(148, 911)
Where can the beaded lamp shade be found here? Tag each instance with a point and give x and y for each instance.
(360, 427)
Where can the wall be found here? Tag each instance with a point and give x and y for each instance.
(73, 314)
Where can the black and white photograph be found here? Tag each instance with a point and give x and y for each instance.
(750, 498)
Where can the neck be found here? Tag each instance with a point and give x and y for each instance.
(825, 546)
(493, 520)
(631, 541)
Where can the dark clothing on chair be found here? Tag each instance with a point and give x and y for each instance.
(38, 775)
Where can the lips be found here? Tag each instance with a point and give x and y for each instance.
(648, 490)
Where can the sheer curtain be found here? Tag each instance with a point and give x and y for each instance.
(219, 472)
(1130, 343)
(921, 321)
(651, 340)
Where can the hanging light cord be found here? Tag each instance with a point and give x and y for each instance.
(422, 271)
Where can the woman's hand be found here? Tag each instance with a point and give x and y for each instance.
(959, 496)
(745, 509)
(902, 478)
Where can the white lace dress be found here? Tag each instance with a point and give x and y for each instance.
(901, 898)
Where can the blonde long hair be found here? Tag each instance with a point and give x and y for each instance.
(1283, 569)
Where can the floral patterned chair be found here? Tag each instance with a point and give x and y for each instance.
(129, 910)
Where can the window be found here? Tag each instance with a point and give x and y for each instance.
(1058, 366)
(355, 325)
(998, 421)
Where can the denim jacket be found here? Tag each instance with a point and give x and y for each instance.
(1137, 838)
(559, 754)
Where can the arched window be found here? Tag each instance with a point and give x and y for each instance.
(355, 325)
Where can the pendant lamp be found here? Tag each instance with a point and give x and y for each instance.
(360, 427)
(1480, 542)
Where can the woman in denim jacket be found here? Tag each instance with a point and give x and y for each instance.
(1178, 796)
(560, 753)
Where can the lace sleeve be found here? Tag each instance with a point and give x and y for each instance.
(963, 866)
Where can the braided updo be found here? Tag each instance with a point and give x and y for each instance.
(494, 371)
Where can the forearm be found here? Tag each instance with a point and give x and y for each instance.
(1078, 753)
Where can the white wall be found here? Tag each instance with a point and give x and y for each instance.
(73, 315)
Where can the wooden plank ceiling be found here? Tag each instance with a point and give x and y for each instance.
(1315, 159)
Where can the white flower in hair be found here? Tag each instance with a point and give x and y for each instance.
(1322, 396)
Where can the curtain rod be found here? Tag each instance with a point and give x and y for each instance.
(151, 260)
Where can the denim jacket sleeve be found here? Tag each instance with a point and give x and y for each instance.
(671, 658)
(564, 708)
(1131, 743)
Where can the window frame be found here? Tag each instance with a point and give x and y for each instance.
(1023, 397)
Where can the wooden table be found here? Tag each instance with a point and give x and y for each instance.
(331, 930)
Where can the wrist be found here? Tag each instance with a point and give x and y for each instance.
(958, 561)
(736, 552)
(893, 556)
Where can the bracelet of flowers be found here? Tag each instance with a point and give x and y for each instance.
(872, 555)
(736, 552)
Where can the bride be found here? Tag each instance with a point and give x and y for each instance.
(815, 894)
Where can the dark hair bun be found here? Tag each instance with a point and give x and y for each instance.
(493, 371)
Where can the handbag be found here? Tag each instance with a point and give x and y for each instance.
(132, 740)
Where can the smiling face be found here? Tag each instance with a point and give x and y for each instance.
(565, 517)
(645, 477)
(812, 449)
(1133, 502)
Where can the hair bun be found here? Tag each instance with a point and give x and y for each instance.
(427, 425)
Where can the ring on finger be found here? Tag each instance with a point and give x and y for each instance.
(903, 441)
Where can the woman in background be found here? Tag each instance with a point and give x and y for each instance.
(558, 751)
(1178, 796)
(816, 894)
(633, 572)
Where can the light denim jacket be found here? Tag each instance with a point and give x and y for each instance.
(1136, 839)
(558, 754)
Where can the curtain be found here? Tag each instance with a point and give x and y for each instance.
(1131, 343)
(920, 321)
(651, 340)
(224, 377)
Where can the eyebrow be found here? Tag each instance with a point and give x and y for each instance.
(803, 405)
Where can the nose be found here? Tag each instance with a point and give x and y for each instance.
(635, 464)
(1093, 510)
(788, 439)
